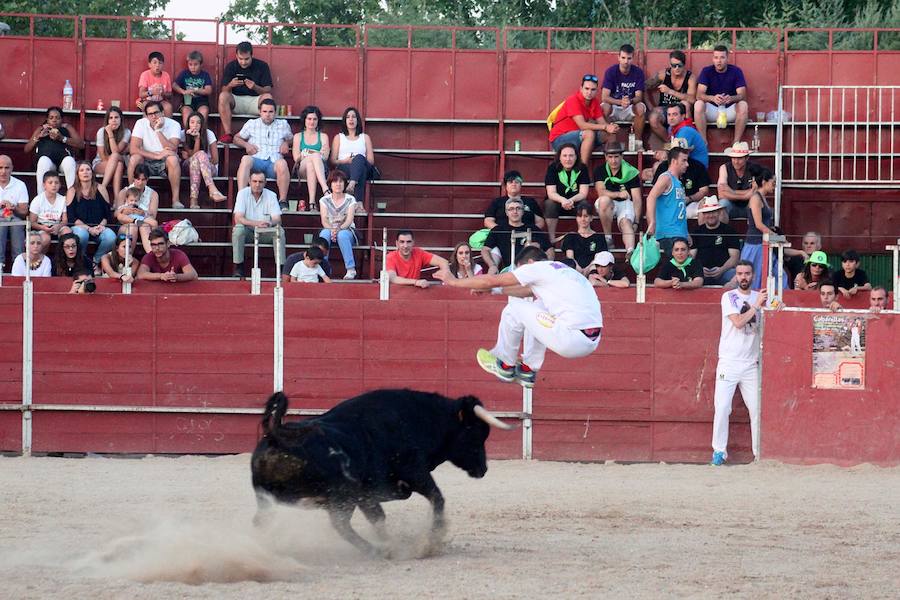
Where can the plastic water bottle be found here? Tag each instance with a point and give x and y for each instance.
(754, 144)
(722, 118)
(632, 141)
(68, 96)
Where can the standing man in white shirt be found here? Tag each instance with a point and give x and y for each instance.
(738, 359)
(154, 142)
(13, 209)
(266, 140)
(255, 206)
(564, 317)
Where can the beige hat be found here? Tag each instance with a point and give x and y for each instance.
(603, 259)
(678, 143)
(710, 204)
(739, 150)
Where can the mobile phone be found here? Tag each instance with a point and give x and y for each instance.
(240, 76)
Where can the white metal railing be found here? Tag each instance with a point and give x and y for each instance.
(829, 122)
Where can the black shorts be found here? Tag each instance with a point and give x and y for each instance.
(552, 210)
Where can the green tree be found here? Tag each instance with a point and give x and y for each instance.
(97, 27)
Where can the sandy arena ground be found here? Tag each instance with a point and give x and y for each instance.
(161, 527)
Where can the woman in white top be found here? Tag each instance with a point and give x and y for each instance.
(47, 211)
(310, 150)
(33, 259)
(337, 211)
(201, 158)
(352, 151)
(461, 265)
(112, 149)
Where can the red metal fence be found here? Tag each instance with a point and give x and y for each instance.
(188, 368)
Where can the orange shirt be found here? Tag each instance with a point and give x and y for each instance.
(412, 268)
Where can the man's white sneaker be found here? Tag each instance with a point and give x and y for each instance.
(351, 274)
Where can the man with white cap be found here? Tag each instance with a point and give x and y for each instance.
(715, 244)
(736, 183)
(603, 272)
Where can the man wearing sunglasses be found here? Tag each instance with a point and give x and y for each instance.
(622, 97)
(676, 85)
(721, 87)
(580, 121)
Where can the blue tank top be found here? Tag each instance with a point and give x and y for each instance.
(754, 235)
(671, 218)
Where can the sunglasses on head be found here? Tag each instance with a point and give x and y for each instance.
(589, 77)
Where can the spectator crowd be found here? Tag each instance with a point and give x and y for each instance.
(107, 205)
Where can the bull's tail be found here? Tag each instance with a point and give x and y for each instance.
(276, 407)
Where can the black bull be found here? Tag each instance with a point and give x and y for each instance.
(376, 447)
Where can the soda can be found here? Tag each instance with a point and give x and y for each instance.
(100, 104)
(290, 110)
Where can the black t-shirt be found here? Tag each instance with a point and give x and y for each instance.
(55, 150)
(89, 210)
(497, 210)
(693, 179)
(567, 183)
(840, 280)
(584, 247)
(668, 271)
(499, 238)
(712, 245)
(600, 174)
(258, 72)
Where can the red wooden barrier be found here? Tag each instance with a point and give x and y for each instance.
(645, 395)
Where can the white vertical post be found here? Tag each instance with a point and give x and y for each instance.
(779, 155)
(384, 282)
(255, 274)
(278, 336)
(27, 362)
(641, 282)
(527, 405)
(126, 285)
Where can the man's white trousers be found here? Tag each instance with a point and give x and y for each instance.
(729, 375)
(530, 322)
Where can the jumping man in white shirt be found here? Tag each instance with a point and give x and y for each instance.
(564, 317)
(738, 359)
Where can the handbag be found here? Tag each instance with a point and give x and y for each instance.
(651, 254)
(183, 233)
(374, 173)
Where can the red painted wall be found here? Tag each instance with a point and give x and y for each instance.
(802, 424)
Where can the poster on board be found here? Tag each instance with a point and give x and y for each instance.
(839, 352)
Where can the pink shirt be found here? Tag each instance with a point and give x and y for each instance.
(148, 80)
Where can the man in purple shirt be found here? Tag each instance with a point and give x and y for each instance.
(622, 98)
(721, 87)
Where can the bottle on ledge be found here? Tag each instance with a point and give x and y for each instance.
(68, 96)
(754, 144)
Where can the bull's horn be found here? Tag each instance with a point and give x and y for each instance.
(490, 419)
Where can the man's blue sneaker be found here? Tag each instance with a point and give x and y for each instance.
(493, 365)
(718, 459)
(526, 377)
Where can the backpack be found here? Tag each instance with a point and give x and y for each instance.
(551, 118)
